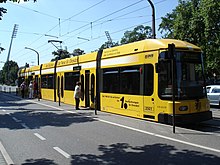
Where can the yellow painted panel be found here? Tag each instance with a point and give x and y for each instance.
(69, 99)
(128, 105)
(47, 94)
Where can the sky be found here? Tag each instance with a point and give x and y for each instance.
(76, 23)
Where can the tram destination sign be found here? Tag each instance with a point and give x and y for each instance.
(76, 68)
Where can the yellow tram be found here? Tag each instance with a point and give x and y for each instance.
(132, 80)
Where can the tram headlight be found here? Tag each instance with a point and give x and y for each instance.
(183, 108)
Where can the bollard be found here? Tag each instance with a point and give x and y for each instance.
(95, 106)
(16, 91)
(59, 98)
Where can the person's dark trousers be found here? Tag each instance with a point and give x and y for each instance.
(22, 93)
(77, 103)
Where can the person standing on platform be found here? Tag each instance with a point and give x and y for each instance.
(23, 87)
(31, 91)
(77, 94)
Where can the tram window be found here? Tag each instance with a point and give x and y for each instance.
(111, 80)
(124, 80)
(148, 79)
(130, 80)
(47, 81)
(70, 80)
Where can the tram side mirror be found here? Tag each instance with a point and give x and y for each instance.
(158, 67)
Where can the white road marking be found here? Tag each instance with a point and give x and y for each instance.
(45, 105)
(15, 119)
(39, 136)
(71, 112)
(24, 125)
(66, 155)
(145, 132)
(5, 154)
(161, 136)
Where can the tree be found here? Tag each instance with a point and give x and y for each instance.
(3, 10)
(77, 52)
(9, 73)
(1, 49)
(60, 54)
(139, 33)
(108, 45)
(196, 21)
(1, 1)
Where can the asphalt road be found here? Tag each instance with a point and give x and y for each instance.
(41, 132)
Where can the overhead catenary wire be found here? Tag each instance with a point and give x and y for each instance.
(102, 36)
(93, 24)
(103, 17)
(90, 22)
(63, 21)
(36, 11)
(44, 50)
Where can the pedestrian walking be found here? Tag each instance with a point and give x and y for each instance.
(77, 94)
(31, 91)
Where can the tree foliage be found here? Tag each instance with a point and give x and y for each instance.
(196, 21)
(1, 1)
(3, 10)
(77, 52)
(108, 45)
(60, 54)
(139, 33)
(9, 73)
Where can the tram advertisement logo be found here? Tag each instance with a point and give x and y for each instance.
(124, 102)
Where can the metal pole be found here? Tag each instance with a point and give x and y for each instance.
(173, 97)
(171, 52)
(38, 93)
(9, 51)
(95, 106)
(59, 97)
(38, 63)
(13, 36)
(153, 19)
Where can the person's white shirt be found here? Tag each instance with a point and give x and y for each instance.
(77, 92)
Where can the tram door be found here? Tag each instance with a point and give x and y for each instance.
(87, 89)
(149, 106)
(36, 88)
(60, 87)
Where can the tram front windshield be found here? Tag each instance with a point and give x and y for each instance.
(189, 79)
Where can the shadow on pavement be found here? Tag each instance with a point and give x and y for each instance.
(156, 154)
(36, 120)
(125, 154)
(39, 162)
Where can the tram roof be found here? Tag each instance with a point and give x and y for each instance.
(148, 45)
(135, 47)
